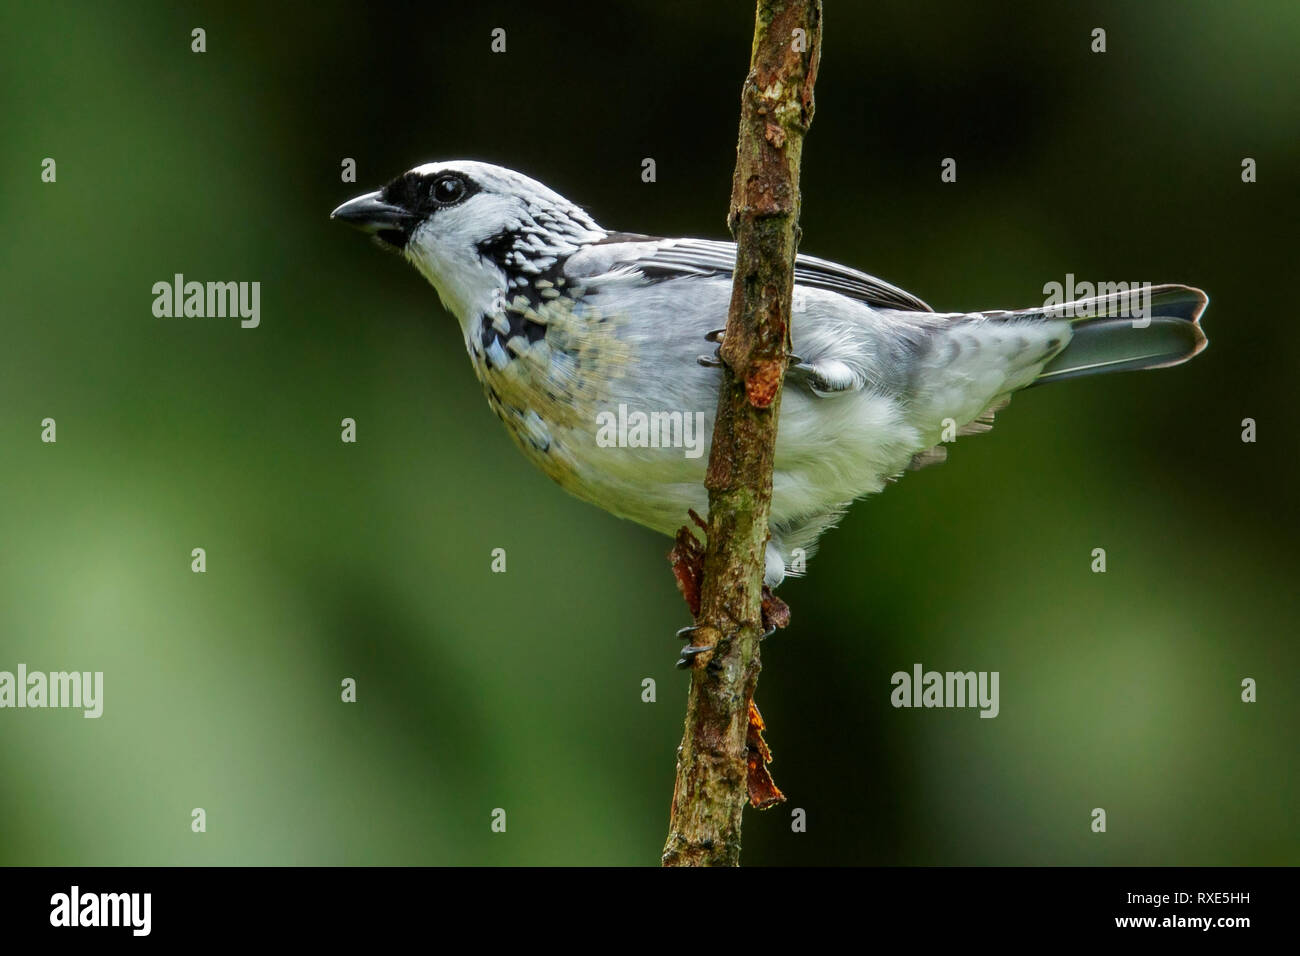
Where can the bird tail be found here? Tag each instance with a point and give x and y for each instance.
(1147, 327)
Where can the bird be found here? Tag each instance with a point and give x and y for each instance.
(591, 346)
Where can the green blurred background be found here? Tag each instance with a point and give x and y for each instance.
(523, 690)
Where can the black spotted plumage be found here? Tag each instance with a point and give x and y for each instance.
(513, 252)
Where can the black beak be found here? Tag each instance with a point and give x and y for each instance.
(386, 222)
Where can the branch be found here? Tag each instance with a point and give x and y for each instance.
(722, 742)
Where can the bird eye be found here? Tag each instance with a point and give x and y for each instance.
(448, 189)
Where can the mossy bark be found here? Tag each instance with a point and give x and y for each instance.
(712, 784)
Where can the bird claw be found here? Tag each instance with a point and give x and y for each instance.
(716, 360)
(717, 335)
(690, 652)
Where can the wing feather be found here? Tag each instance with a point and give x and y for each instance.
(659, 259)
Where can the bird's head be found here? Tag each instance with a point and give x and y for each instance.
(474, 230)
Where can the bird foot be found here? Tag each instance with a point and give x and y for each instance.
(692, 651)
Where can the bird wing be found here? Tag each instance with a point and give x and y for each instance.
(658, 259)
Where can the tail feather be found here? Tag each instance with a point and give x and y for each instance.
(1150, 328)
